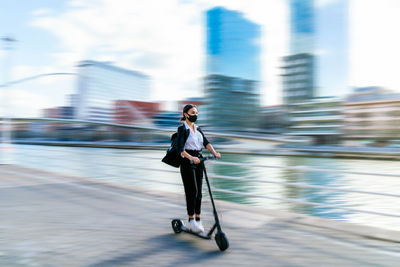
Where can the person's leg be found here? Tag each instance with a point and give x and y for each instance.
(199, 183)
(190, 188)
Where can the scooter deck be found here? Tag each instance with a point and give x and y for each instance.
(201, 235)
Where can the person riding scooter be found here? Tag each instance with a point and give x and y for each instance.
(190, 141)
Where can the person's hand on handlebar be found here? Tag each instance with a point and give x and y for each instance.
(195, 160)
(217, 155)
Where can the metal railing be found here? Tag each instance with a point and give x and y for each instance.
(265, 181)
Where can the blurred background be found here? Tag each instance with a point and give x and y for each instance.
(287, 83)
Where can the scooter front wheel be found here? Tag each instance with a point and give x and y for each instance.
(177, 225)
(222, 241)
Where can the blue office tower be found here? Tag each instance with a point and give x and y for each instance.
(302, 27)
(332, 48)
(233, 45)
(232, 97)
(317, 64)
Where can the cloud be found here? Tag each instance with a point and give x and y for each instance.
(41, 11)
(27, 99)
(155, 37)
(21, 103)
(2, 56)
(164, 39)
(151, 60)
(325, 3)
(374, 43)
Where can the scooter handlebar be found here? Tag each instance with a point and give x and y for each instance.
(204, 159)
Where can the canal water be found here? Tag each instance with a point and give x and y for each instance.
(144, 168)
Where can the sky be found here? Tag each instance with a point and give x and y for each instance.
(165, 39)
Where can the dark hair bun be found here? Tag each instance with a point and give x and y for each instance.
(187, 108)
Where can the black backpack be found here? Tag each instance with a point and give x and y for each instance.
(172, 157)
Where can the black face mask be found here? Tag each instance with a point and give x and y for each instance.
(192, 118)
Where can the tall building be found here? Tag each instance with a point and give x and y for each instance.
(232, 69)
(73, 100)
(302, 27)
(299, 66)
(233, 45)
(298, 78)
(332, 48)
(318, 33)
(100, 84)
(232, 103)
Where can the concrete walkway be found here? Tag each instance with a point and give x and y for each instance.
(49, 219)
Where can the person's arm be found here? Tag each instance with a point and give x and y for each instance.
(184, 154)
(208, 145)
(212, 150)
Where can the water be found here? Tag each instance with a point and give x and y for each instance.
(126, 166)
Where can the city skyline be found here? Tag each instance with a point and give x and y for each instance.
(168, 44)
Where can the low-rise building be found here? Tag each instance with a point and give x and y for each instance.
(272, 119)
(373, 114)
(170, 119)
(135, 112)
(318, 118)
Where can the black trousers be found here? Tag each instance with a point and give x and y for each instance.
(192, 178)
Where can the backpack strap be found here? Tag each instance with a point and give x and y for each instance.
(182, 136)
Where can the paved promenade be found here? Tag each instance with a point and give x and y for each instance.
(49, 219)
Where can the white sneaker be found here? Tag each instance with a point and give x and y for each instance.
(193, 226)
(200, 225)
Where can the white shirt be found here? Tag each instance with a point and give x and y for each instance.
(195, 139)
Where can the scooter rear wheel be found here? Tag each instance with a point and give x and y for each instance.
(177, 226)
(222, 241)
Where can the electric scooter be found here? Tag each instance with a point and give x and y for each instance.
(220, 237)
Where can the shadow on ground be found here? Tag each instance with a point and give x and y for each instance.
(166, 244)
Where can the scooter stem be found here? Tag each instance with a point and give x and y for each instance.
(212, 201)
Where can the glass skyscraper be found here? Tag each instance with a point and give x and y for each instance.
(298, 78)
(101, 84)
(321, 31)
(232, 70)
(332, 48)
(302, 27)
(317, 66)
(299, 66)
(233, 45)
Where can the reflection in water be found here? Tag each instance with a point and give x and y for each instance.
(313, 194)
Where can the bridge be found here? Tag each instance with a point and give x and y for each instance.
(54, 219)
